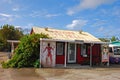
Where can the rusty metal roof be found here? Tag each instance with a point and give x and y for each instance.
(66, 34)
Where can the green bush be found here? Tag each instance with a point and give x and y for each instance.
(27, 52)
(37, 63)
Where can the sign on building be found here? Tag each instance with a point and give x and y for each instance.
(47, 53)
(105, 54)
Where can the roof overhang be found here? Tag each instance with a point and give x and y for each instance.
(97, 42)
(113, 45)
(60, 40)
(74, 41)
(13, 41)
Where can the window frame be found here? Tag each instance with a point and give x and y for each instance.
(116, 51)
(86, 52)
(63, 48)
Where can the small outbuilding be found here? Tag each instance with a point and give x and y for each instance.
(67, 47)
(14, 44)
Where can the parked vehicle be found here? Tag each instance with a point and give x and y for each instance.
(114, 51)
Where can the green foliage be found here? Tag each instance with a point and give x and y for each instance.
(8, 32)
(104, 39)
(37, 63)
(27, 53)
(113, 38)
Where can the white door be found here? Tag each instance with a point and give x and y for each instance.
(71, 52)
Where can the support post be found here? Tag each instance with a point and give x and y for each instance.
(91, 54)
(40, 51)
(108, 63)
(65, 54)
(12, 48)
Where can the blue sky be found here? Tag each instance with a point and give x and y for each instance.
(101, 18)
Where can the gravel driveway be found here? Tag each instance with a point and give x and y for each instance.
(58, 74)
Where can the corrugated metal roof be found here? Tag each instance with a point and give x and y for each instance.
(66, 34)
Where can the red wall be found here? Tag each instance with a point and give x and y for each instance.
(80, 59)
(96, 51)
(60, 59)
(96, 54)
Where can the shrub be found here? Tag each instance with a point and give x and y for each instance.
(27, 52)
(37, 63)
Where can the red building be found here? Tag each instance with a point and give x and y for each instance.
(68, 47)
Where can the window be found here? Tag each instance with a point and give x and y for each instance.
(110, 49)
(60, 48)
(116, 50)
(84, 50)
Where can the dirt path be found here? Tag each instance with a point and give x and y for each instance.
(3, 56)
(58, 74)
(80, 74)
(17, 74)
(4, 74)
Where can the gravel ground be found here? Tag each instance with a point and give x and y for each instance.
(58, 73)
(80, 74)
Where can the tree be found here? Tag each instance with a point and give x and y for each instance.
(113, 38)
(104, 39)
(27, 53)
(9, 32)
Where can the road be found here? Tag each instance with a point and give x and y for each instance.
(58, 73)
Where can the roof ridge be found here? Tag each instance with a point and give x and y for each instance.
(60, 29)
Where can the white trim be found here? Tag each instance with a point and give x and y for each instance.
(72, 41)
(13, 41)
(56, 40)
(75, 41)
(74, 61)
(12, 48)
(96, 42)
(91, 54)
(75, 52)
(65, 54)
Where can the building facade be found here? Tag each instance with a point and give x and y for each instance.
(68, 47)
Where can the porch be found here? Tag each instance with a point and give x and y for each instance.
(75, 66)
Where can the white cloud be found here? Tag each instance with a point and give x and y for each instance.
(38, 13)
(112, 12)
(88, 4)
(43, 13)
(77, 24)
(5, 15)
(101, 29)
(15, 9)
(51, 15)
(17, 26)
(7, 1)
(26, 28)
(108, 32)
(99, 23)
(116, 11)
